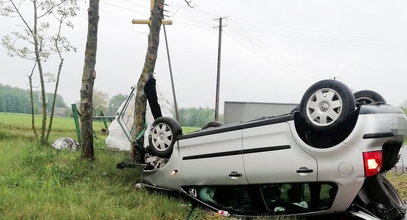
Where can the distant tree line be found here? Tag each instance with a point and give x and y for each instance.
(102, 103)
(196, 117)
(13, 99)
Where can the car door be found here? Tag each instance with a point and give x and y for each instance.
(270, 155)
(210, 159)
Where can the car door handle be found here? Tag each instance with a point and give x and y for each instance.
(235, 174)
(304, 170)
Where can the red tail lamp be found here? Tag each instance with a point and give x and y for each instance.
(373, 162)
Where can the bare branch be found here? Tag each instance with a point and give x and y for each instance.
(61, 21)
(32, 100)
(52, 8)
(22, 18)
(189, 3)
(9, 44)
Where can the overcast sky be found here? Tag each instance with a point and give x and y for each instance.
(272, 50)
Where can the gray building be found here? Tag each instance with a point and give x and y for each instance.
(245, 111)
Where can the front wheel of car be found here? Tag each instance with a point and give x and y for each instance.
(163, 134)
(327, 105)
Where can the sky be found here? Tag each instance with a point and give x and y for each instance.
(272, 50)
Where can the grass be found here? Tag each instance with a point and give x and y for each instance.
(41, 183)
(62, 126)
(37, 182)
(399, 180)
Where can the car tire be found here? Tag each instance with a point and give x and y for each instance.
(162, 136)
(327, 105)
(365, 97)
(383, 192)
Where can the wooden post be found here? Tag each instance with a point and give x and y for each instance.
(144, 21)
(164, 22)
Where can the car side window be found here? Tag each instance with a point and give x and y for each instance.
(291, 198)
(231, 198)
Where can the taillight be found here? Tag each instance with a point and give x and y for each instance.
(373, 162)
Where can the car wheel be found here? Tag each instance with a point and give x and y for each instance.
(163, 134)
(365, 97)
(383, 192)
(327, 105)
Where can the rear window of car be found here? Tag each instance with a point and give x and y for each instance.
(291, 198)
(267, 199)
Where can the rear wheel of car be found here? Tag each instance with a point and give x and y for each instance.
(365, 97)
(327, 105)
(383, 192)
(163, 134)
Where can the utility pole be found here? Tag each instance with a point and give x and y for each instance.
(172, 78)
(164, 22)
(218, 69)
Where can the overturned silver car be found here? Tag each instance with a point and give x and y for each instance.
(328, 155)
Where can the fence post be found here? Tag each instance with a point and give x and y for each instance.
(104, 121)
(76, 120)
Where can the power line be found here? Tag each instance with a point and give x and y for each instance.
(325, 37)
(122, 7)
(260, 45)
(292, 74)
(338, 35)
(199, 16)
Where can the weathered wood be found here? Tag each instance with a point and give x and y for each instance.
(143, 21)
(88, 78)
(149, 64)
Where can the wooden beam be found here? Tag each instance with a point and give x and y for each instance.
(143, 21)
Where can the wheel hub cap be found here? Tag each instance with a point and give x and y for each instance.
(161, 135)
(324, 107)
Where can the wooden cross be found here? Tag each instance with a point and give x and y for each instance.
(144, 21)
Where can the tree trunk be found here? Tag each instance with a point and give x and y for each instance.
(51, 117)
(88, 78)
(41, 74)
(32, 101)
(148, 70)
(61, 62)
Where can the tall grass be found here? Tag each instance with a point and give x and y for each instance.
(38, 182)
(41, 183)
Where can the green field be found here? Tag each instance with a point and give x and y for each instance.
(37, 182)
